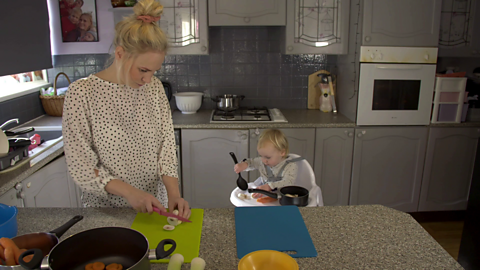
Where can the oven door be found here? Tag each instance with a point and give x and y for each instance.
(395, 94)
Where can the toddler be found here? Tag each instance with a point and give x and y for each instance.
(276, 168)
(70, 23)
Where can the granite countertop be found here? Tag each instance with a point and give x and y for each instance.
(346, 237)
(296, 119)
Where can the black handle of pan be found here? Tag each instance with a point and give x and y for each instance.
(264, 192)
(35, 262)
(160, 251)
(64, 228)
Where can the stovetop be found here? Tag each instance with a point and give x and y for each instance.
(248, 115)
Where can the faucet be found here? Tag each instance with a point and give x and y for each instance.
(8, 123)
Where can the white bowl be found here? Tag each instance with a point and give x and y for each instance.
(188, 102)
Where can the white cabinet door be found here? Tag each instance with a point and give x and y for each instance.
(333, 163)
(388, 166)
(317, 29)
(50, 187)
(408, 23)
(10, 198)
(246, 12)
(448, 168)
(208, 176)
(301, 141)
(459, 28)
(184, 22)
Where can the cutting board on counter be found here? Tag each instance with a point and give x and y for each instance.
(314, 91)
(187, 235)
(278, 228)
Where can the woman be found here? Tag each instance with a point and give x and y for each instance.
(117, 125)
(85, 24)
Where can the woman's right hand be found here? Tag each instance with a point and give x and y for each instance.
(240, 167)
(142, 201)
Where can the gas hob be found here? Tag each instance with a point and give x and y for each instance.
(248, 115)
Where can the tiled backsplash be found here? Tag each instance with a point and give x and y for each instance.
(242, 60)
(25, 108)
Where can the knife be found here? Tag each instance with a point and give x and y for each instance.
(167, 214)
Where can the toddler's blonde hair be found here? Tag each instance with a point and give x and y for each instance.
(276, 138)
(136, 36)
(76, 11)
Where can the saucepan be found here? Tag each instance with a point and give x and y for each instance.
(42, 241)
(228, 102)
(289, 195)
(105, 245)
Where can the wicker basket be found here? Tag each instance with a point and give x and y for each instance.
(53, 105)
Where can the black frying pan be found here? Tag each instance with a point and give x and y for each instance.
(300, 195)
(42, 240)
(108, 245)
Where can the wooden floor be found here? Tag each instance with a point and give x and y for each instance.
(447, 233)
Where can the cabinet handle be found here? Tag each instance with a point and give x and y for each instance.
(350, 134)
(368, 38)
(204, 48)
(246, 19)
(243, 136)
(359, 135)
(426, 56)
(21, 195)
(290, 48)
(18, 186)
(253, 135)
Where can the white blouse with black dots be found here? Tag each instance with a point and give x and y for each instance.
(124, 133)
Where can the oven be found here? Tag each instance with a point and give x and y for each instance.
(396, 85)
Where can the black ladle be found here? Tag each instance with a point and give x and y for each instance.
(241, 183)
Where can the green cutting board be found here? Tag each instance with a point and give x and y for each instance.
(187, 235)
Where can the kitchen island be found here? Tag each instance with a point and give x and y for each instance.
(346, 237)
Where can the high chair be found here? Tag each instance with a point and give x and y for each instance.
(305, 178)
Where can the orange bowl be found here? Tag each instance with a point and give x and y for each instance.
(267, 260)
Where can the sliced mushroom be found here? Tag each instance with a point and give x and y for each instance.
(169, 227)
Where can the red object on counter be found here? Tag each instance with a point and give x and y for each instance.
(35, 139)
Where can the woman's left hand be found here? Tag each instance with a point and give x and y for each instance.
(181, 205)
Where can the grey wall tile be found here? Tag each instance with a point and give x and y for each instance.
(242, 60)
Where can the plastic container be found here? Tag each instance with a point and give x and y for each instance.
(8, 221)
(188, 102)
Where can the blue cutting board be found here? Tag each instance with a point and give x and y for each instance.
(278, 228)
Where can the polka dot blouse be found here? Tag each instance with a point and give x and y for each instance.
(122, 132)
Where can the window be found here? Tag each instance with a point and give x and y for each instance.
(15, 85)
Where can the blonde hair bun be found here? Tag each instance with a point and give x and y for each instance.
(147, 7)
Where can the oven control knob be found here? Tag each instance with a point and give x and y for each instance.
(367, 39)
(426, 57)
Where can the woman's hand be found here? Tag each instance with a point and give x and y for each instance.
(181, 205)
(263, 187)
(240, 167)
(142, 201)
